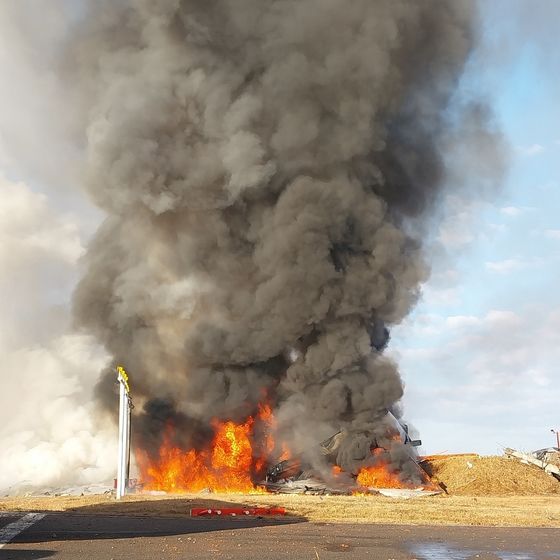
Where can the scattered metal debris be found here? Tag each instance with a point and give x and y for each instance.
(529, 458)
(311, 486)
(548, 455)
(284, 470)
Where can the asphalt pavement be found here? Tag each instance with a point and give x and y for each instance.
(64, 536)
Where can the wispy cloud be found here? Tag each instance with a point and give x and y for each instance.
(497, 228)
(512, 211)
(440, 297)
(482, 370)
(503, 318)
(494, 318)
(505, 266)
(462, 321)
(29, 226)
(531, 150)
(515, 211)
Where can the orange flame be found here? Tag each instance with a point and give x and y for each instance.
(269, 423)
(228, 465)
(237, 456)
(382, 475)
(379, 476)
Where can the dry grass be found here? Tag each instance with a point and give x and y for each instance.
(490, 491)
(527, 511)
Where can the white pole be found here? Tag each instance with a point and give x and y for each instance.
(124, 433)
(120, 469)
(127, 449)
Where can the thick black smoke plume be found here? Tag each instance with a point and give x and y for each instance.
(262, 164)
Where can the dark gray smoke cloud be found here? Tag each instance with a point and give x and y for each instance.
(263, 165)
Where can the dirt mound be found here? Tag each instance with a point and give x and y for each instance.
(472, 475)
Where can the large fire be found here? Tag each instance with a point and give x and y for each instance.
(230, 464)
(236, 458)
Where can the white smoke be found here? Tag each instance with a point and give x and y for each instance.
(48, 435)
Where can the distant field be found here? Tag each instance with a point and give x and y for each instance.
(526, 511)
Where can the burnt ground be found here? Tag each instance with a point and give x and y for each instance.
(68, 536)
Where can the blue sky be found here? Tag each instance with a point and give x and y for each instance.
(480, 352)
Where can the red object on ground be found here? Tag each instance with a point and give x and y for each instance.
(199, 512)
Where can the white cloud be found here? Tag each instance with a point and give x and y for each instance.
(440, 296)
(491, 374)
(531, 150)
(497, 228)
(462, 321)
(444, 278)
(492, 319)
(441, 289)
(512, 211)
(516, 211)
(27, 224)
(505, 266)
(497, 317)
(420, 325)
(39, 249)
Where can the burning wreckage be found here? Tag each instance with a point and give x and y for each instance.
(252, 457)
(390, 468)
(377, 469)
(240, 460)
(292, 476)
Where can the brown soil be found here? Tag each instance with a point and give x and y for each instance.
(472, 475)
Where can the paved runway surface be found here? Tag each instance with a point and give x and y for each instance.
(78, 536)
